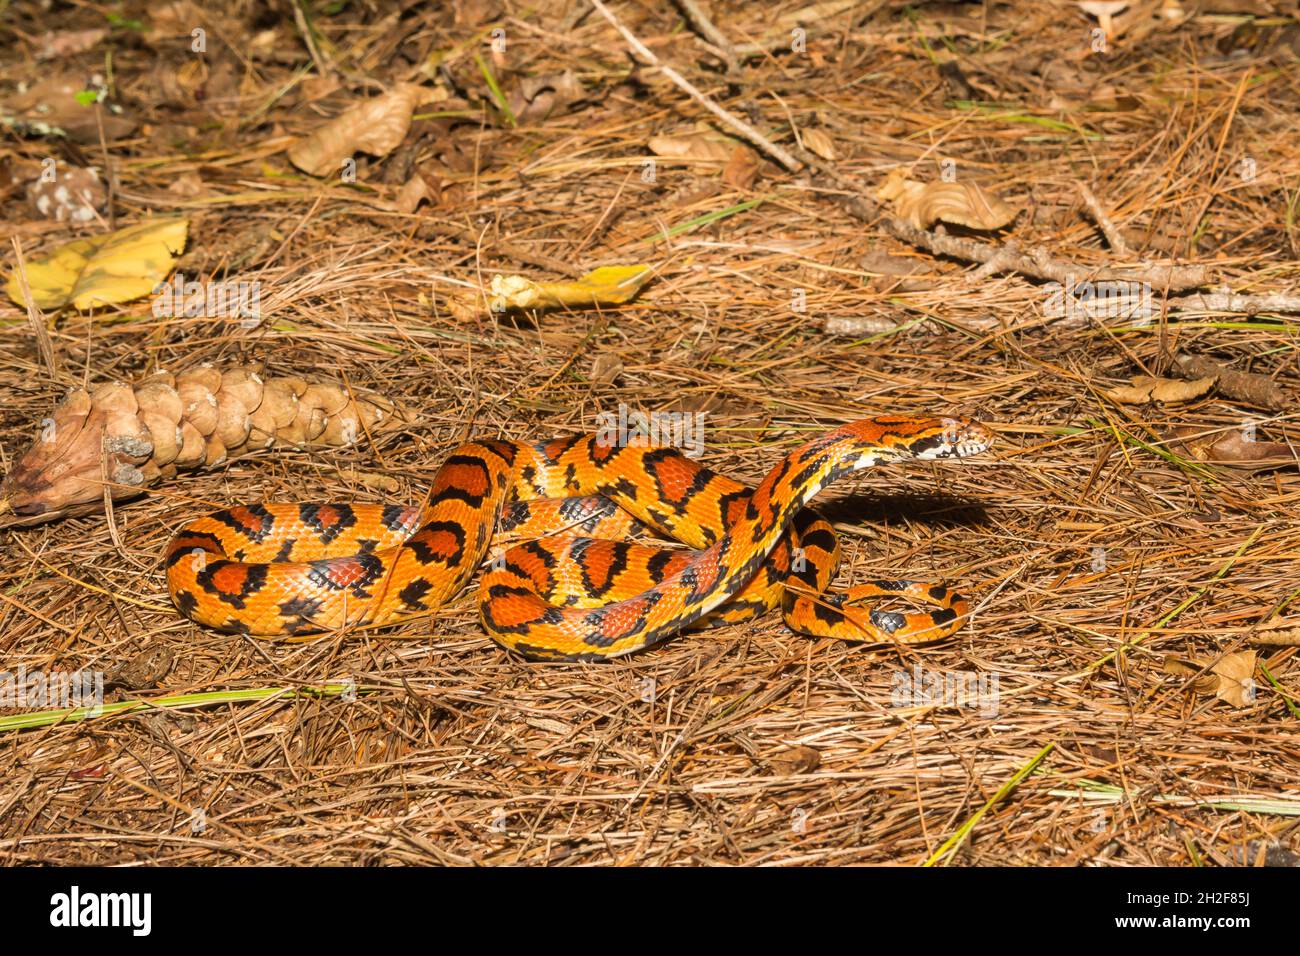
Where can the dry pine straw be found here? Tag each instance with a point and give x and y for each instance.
(457, 753)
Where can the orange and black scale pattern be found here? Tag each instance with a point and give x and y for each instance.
(553, 523)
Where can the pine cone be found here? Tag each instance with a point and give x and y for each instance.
(127, 437)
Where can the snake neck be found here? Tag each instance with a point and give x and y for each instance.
(804, 473)
(788, 488)
(773, 506)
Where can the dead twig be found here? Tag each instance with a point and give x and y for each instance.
(756, 138)
(1114, 237)
(1036, 262)
(1229, 302)
(700, 21)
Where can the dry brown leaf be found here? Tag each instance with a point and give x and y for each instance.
(537, 97)
(819, 143)
(605, 368)
(1201, 683)
(706, 145)
(799, 759)
(1232, 449)
(50, 107)
(412, 194)
(1236, 673)
(375, 127)
(741, 169)
(962, 204)
(1231, 679)
(1168, 391)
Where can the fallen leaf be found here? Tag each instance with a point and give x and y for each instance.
(605, 368)
(187, 185)
(1145, 388)
(374, 127)
(741, 169)
(1231, 679)
(609, 285)
(1233, 449)
(116, 267)
(59, 106)
(963, 204)
(1236, 673)
(537, 97)
(704, 145)
(819, 143)
(144, 670)
(796, 760)
(412, 194)
(1201, 683)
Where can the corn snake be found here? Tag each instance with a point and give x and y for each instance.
(279, 569)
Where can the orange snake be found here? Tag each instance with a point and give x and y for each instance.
(278, 569)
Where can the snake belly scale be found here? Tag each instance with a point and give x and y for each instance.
(572, 587)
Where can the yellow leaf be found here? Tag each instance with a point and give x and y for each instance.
(103, 270)
(608, 285)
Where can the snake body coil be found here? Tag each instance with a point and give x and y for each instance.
(277, 569)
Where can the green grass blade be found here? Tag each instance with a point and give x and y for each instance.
(497, 96)
(957, 839)
(47, 718)
(708, 217)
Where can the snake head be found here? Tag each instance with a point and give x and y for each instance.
(951, 438)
